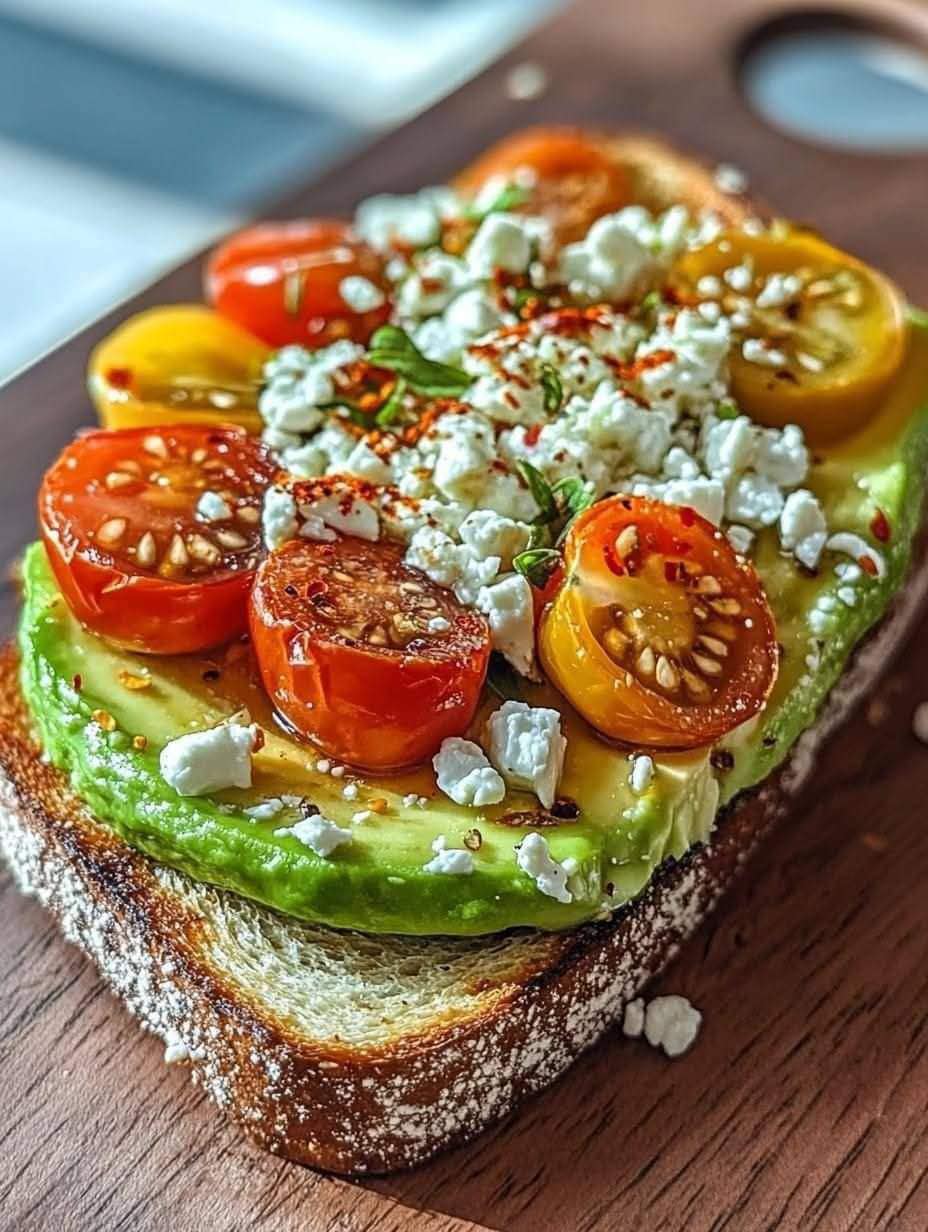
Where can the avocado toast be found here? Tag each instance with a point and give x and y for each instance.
(386, 852)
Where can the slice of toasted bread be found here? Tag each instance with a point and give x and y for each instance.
(358, 1053)
(350, 1052)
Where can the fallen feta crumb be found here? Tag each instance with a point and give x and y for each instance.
(633, 1019)
(730, 179)
(533, 858)
(526, 81)
(318, 834)
(175, 1050)
(510, 611)
(202, 762)
(278, 518)
(464, 774)
(671, 1023)
(857, 548)
(920, 722)
(266, 810)
(453, 861)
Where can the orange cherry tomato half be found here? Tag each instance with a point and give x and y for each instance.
(573, 176)
(343, 640)
(285, 283)
(136, 555)
(660, 635)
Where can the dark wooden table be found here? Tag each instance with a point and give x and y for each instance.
(803, 1104)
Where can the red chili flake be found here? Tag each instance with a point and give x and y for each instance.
(687, 515)
(532, 434)
(612, 562)
(868, 564)
(511, 400)
(671, 570)
(119, 378)
(258, 740)
(880, 527)
(77, 682)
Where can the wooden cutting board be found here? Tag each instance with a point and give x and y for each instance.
(803, 1103)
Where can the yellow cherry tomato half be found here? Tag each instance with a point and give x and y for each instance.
(818, 335)
(182, 364)
(660, 635)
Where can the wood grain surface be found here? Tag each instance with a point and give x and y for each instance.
(803, 1103)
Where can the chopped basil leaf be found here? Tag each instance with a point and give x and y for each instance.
(393, 349)
(541, 491)
(509, 198)
(552, 388)
(393, 405)
(537, 564)
(726, 410)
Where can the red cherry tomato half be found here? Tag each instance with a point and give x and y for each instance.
(285, 282)
(659, 635)
(365, 656)
(133, 551)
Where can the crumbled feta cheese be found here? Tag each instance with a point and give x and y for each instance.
(453, 861)
(211, 507)
(740, 538)
(759, 351)
(201, 762)
(754, 500)
(857, 548)
(611, 262)
(439, 624)
(318, 834)
(803, 529)
(534, 858)
(671, 1023)
(414, 221)
(340, 511)
(175, 1050)
(502, 242)
(433, 284)
(454, 566)
(642, 772)
(266, 810)
(299, 381)
(360, 294)
(527, 747)
(464, 774)
(510, 611)
(489, 534)
(278, 518)
(633, 1019)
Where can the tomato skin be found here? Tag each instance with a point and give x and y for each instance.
(611, 695)
(578, 179)
(378, 709)
(179, 364)
(280, 281)
(129, 605)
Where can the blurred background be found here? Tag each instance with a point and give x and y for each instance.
(134, 131)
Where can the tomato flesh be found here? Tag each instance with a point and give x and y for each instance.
(363, 655)
(819, 335)
(659, 634)
(133, 558)
(572, 179)
(181, 364)
(283, 282)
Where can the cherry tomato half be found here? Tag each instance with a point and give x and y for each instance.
(660, 635)
(345, 639)
(285, 283)
(823, 334)
(572, 176)
(182, 364)
(141, 553)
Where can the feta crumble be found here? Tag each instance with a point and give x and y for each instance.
(211, 507)
(641, 774)
(527, 748)
(360, 294)
(510, 610)
(201, 762)
(464, 774)
(534, 858)
(450, 861)
(671, 1023)
(318, 834)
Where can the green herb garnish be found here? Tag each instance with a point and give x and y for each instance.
(552, 388)
(393, 405)
(393, 349)
(726, 410)
(541, 490)
(537, 564)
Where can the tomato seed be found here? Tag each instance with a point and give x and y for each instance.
(231, 539)
(146, 551)
(117, 479)
(177, 552)
(667, 677)
(111, 531)
(707, 666)
(155, 446)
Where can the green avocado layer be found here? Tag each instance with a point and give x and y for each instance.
(377, 882)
